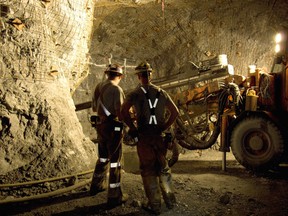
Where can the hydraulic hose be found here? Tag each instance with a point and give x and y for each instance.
(44, 180)
(192, 145)
(46, 195)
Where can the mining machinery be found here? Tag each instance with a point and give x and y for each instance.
(244, 114)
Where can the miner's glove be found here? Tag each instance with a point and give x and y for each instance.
(134, 134)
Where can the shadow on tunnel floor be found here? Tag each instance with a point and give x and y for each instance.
(232, 167)
(26, 206)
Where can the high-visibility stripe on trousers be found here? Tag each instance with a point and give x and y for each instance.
(103, 160)
(115, 165)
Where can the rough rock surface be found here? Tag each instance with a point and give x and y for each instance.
(44, 46)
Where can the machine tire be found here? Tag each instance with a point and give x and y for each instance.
(257, 143)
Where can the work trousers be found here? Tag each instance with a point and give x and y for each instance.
(109, 134)
(155, 172)
(152, 154)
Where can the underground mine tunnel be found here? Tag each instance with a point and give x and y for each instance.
(53, 53)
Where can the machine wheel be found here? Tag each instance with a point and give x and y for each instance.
(257, 143)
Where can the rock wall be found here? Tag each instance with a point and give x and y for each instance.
(44, 50)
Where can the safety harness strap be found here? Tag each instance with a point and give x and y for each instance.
(106, 111)
(152, 106)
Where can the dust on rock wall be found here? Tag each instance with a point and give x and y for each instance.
(44, 52)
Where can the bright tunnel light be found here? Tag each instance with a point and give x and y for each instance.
(278, 38)
(277, 48)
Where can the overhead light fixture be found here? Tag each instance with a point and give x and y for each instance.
(277, 48)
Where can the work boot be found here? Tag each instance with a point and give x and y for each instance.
(114, 202)
(151, 209)
(167, 189)
(97, 186)
(152, 190)
(94, 191)
(99, 179)
(169, 199)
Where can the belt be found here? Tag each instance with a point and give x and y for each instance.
(103, 119)
(150, 129)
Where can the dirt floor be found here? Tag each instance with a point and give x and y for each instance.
(202, 187)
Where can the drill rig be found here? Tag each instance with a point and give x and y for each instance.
(248, 113)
